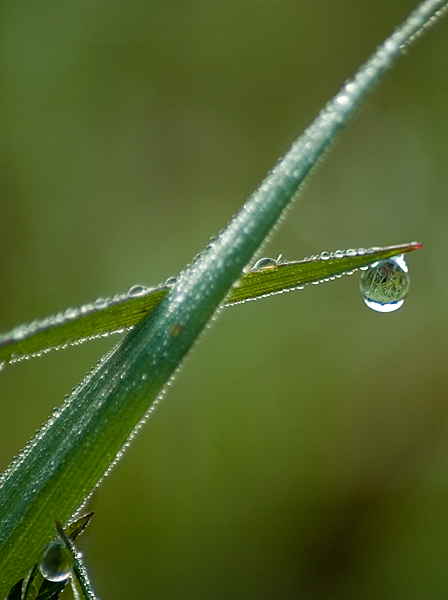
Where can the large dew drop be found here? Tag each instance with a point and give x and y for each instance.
(265, 262)
(55, 562)
(385, 284)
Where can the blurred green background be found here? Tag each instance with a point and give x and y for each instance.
(303, 450)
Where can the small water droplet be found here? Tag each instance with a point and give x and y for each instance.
(55, 562)
(19, 333)
(86, 309)
(71, 313)
(100, 303)
(324, 256)
(171, 281)
(264, 262)
(339, 254)
(136, 290)
(385, 285)
(60, 318)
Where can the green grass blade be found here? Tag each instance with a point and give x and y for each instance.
(75, 326)
(290, 276)
(59, 468)
(123, 312)
(81, 586)
(15, 592)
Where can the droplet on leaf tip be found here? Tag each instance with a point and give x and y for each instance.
(55, 562)
(385, 284)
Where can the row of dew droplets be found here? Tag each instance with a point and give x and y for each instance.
(22, 332)
(384, 285)
(264, 263)
(170, 282)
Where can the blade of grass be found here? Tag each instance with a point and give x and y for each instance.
(59, 468)
(80, 581)
(123, 312)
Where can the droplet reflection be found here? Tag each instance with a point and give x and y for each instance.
(55, 562)
(385, 284)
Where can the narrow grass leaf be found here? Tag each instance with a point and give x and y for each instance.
(121, 313)
(82, 588)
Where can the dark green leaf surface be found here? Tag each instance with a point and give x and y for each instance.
(123, 312)
(16, 591)
(38, 588)
(60, 467)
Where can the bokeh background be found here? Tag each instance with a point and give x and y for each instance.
(303, 450)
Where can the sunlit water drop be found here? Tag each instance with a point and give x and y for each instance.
(265, 262)
(137, 290)
(385, 284)
(170, 282)
(55, 562)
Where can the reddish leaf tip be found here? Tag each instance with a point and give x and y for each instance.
(416, 245)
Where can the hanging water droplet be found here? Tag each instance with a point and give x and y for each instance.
(55, 562)
(264, 262)
(385, 284)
